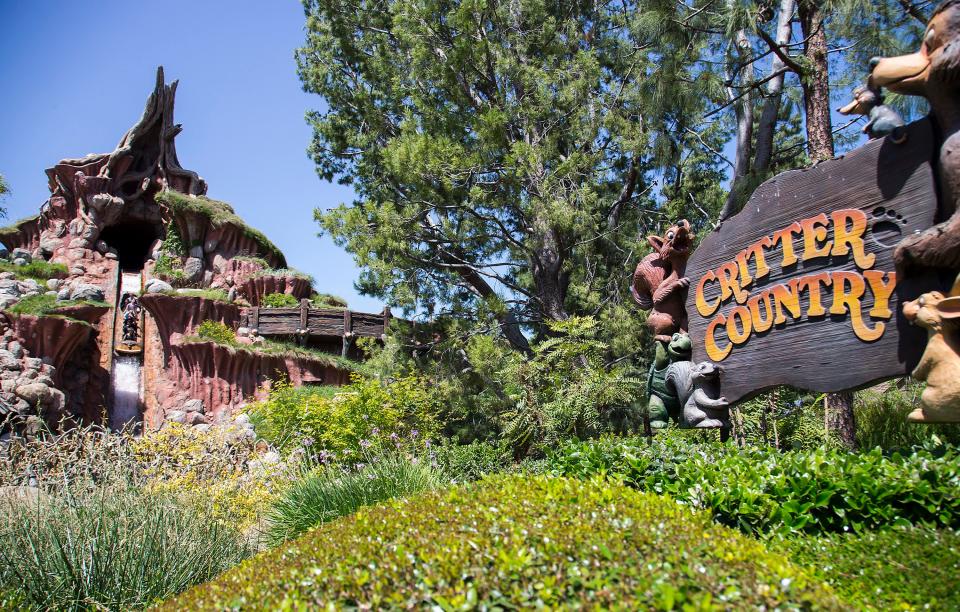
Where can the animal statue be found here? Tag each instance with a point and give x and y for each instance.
(883, 120)
(940, 363)
(659, 283)
(933, 72)
(697, 386)
(662, 402)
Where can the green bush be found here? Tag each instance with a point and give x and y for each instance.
(468, 462)
(327, 300)
(896, 569)
(218, 332)
(518, 542)
(279, 300)
(37, 270)
(114, 548)
(367, 413)
(761, 490)
(327, 493)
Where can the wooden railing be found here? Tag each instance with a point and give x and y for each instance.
(305, 321)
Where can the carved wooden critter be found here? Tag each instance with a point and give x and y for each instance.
(933, 72)
(697, 385)
(659, 283)
(940, 364)
(883, 120)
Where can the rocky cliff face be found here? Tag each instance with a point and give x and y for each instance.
(137, 210)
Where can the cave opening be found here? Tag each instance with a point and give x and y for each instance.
(132, 240)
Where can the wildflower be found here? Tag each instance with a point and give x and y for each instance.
(375, 431)
(365, 443)
(307, 442)
(414, 433)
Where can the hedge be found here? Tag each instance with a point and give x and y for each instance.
(761, 490)
(895, 569)
(513, 541)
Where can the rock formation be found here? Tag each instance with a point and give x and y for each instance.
(135, 222)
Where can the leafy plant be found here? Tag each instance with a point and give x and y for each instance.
(218, 332)
(279, 300)
(327, 300)
(365, 413)
(43, 304)
(518, 543)
(761, 490)
(468, 462)
(881, 419)
(329, 492)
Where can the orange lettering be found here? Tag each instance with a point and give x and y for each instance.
(845, 239)
(786, 297)
(844, 300)
(714, 352)
(737, 336)
(785, 238)
(815, 231)
(760, 324)
(881, 292)
(812, 284)
(703, 307)
(727, 275)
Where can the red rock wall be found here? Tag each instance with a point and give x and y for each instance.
(253, 289)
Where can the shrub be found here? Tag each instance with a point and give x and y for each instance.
(365, 413)
(327, 300)
(43, 304)
(217, 332)
(468, 462)
(327, 493)
(115, 547)
(761, 490)
(894, 569)
(517, 542)
(279, 300)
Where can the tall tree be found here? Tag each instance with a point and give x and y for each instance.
(500, 151)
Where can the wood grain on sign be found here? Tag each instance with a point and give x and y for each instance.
(894, 188)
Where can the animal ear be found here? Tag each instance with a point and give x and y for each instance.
(655, 241)
(949, 308)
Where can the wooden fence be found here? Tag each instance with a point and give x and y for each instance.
(304, 322)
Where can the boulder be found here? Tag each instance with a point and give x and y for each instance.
(155, 249)
(87, 291)
(21, 261)
(194, 405)
(155, 285)
(15, 348)
(63, 295)
(195, 418)
(193, 269)
(8, 276)
(196, 251)
(36, 394)
(49, 246)
(10, 287)
(9, 362)
(53, 284)
(20, 253)
(176, 416)
(102, 246)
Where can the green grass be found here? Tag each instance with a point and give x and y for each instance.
(116, 548)
(280, 349)
(518, 543)
(216, 295)
(327, 300)
(219, 213)
(328, 493)
(14, 229)
(896, 569)
(43, 304)
(37, 270)
(268, 271)
(881, 418)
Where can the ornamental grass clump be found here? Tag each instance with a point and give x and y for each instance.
(518, 542)
(114, 547)
(328, 493)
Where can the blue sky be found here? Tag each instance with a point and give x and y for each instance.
(75, 76)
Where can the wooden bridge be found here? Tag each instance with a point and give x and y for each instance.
(306, 323)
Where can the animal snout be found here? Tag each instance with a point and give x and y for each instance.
(911, 309)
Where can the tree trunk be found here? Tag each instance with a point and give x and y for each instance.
(744, 114)
(838, 407)
(767, 126)
(838, 416)
(816, 81)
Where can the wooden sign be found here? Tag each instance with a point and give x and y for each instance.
(799, 288)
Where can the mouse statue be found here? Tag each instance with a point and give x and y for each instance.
(662, 402)
(933, 72)
(940, 364)
(659, 283)
(883, 120)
